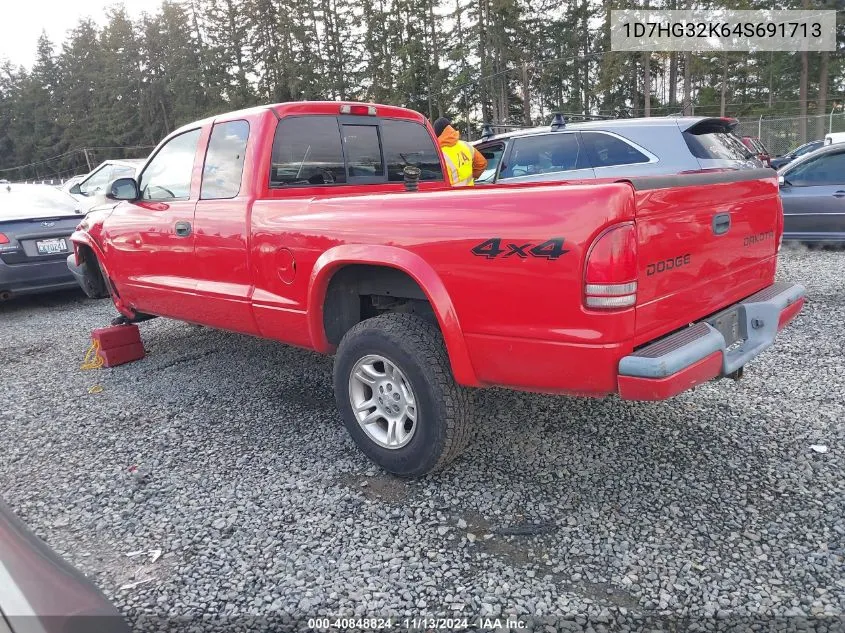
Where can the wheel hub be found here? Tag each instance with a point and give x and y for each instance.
(383, 401)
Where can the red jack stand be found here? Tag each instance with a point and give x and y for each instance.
(118, 344)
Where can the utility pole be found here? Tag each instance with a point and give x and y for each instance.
(526, 95)
(87, 160)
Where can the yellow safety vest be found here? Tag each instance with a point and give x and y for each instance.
(459, 163)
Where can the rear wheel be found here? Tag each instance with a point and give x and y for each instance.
(395, 391)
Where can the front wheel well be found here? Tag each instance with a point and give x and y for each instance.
(94, 282)
(361, 291)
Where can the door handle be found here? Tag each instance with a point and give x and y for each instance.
(839, 194)
(721, 223)
(183, 229)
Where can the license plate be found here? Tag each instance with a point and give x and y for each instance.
(51, 247)
(727, 322)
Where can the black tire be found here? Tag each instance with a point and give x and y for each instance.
(444, 421)
(93, 282)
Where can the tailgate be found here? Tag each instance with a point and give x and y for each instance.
(705, 241)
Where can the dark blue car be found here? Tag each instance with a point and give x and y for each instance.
(35, 226)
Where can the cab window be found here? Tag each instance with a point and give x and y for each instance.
(362, 149)
(408, 143)
(324, 150)
(168, 175)
(224, 160)
(307, 152)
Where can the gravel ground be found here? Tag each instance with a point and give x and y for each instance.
(709, 511)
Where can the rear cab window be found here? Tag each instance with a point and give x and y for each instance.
(307, 151)
(324, 150)
(408, 143)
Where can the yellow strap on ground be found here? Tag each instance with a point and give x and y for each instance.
(93, 360)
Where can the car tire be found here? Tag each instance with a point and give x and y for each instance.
(93, 280)
(422, 385)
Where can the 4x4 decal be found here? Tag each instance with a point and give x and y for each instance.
(492, 248)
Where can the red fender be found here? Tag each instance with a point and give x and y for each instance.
(416, 268)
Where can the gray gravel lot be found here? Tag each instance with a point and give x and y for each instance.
(709, 511)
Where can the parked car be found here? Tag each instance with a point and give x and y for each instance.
(35, 226)
(834, 137)
(304, 223)
(756, 147)
(39, 591)
(587, 150)
(812, 189)
(69, 184)
(799, 151)
(95, 182)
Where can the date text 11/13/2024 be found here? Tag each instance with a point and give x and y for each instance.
(417, 624)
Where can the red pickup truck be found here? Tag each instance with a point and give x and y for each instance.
(330, 226)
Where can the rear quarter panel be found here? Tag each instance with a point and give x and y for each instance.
(507, 295)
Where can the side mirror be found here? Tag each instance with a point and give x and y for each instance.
(76, 190)
(123, 189)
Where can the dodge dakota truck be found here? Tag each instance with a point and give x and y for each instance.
(330, 226)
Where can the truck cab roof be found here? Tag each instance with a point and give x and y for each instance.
(298, 108)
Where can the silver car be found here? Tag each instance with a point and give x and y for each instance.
(812, 189)
(614, 148)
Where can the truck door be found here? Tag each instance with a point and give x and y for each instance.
(221, 231)
(153, 234)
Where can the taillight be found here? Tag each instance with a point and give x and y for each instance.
(358, 109)
(3, 239)
(610, 278)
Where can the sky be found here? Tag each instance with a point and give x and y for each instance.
(22, 22)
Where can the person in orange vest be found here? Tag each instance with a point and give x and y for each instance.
(464, 162)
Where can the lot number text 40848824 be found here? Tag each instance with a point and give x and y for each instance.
(416, 624)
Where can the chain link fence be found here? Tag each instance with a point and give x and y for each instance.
(781, 135)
